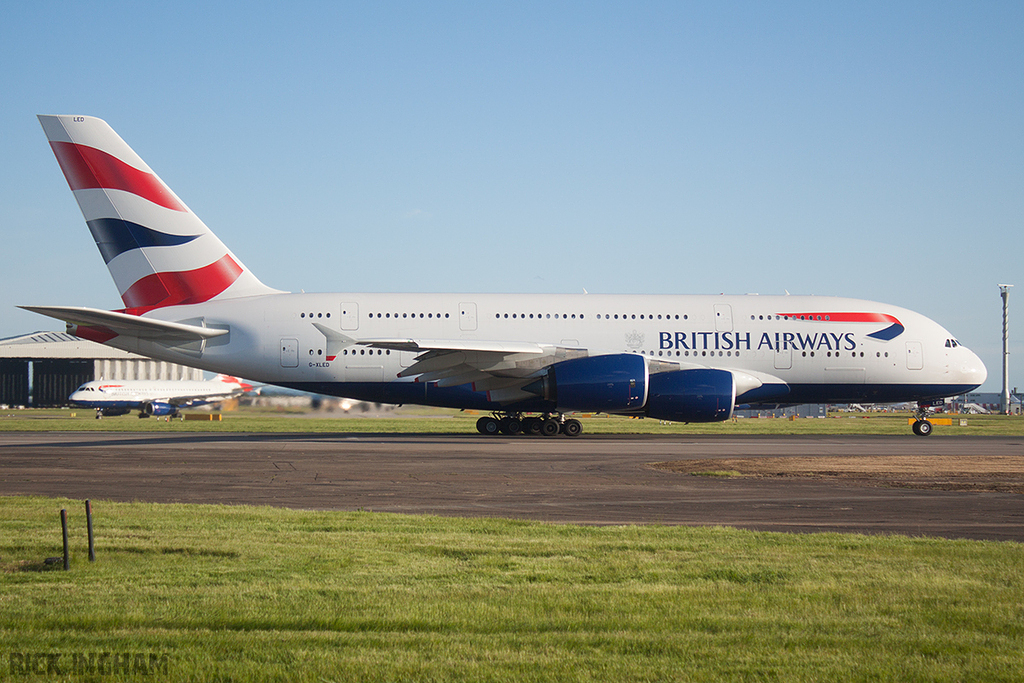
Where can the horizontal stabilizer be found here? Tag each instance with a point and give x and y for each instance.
(122, 324)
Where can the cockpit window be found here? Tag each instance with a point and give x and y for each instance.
(952, 343)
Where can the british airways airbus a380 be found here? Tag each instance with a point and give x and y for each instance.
(527, 359)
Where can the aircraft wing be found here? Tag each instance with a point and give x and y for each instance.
(201, 399)
(339, 340)
(122, 324)
(472, 345)
(488, 365)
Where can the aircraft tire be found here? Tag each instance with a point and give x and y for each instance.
(487, 425)
(511, 426)
(572, 428)
(549, 427)
(532, 426)
(922, 428)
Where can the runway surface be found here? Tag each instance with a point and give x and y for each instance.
(589, 480)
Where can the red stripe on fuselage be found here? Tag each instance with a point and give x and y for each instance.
(182, 287)
(845, 317)
(90, 168)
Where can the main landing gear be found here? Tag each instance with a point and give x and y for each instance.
(511, 424)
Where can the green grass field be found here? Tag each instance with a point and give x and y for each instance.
(453, 422)
(217, 593)
(242, 593)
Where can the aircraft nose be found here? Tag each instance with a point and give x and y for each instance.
(972, 371)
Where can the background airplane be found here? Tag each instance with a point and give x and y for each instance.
(155, 397)
(530, 359)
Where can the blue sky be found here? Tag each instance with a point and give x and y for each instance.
(872, 150)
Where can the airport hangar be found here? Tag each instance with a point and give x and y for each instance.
(41, 369)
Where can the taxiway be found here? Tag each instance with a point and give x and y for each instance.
(590, 480)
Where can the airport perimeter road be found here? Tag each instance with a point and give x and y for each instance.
(590, 480)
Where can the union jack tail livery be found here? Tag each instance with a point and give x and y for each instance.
(158, 252)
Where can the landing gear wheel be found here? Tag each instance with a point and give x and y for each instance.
(922, 427)
(549, 427)
(572, 428)
(532, 426)
(510, 425)
(487, 425)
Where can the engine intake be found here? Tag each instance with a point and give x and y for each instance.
(158, 409)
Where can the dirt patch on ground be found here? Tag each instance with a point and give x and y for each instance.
(947, 473)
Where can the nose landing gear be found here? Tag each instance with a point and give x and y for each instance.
(921, 426)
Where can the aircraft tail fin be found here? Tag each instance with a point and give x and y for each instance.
(228, 379)
(158, 252)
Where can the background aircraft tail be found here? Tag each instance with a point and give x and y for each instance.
(229, 379)
(158, 252)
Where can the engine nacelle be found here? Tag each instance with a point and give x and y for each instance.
(158, 409)
(610, 384)
(698, 395)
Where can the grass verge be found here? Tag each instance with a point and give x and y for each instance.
(454, 422)
(243, 593)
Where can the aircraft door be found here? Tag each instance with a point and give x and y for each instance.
(723, 318)
(349, 315)
(467, 317)
(915, 356)
(289, 353)
(783, 359)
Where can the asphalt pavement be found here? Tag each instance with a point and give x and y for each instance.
(594, 479)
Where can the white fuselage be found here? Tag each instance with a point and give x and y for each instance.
(132, 394)
(832, 359)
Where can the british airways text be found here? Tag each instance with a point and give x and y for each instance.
(777, 341)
